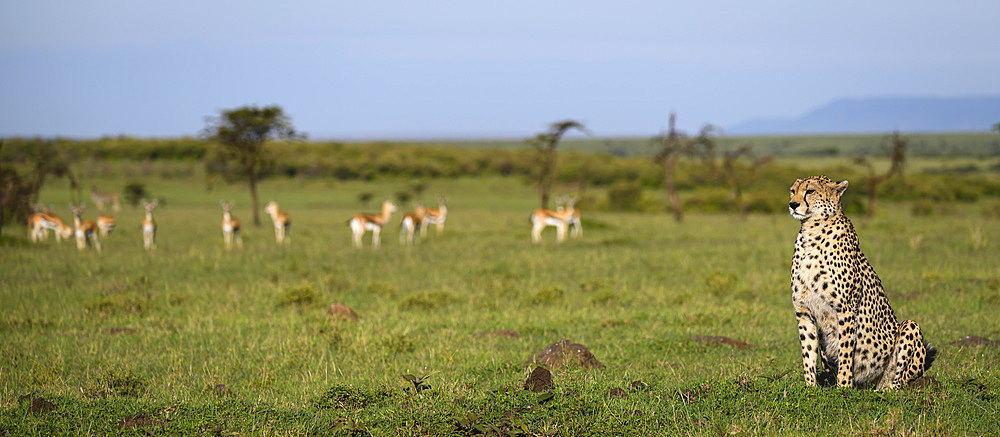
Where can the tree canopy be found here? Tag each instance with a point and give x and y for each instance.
(242, 132)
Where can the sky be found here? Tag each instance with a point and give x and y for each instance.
(474, 69)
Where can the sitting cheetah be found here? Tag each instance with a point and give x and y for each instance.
(843, 314)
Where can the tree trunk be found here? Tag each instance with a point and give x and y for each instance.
(872, 197)
(739, 201)
(675, 202)
(548, 168)
(252, 178)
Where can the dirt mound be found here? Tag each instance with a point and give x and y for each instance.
(565, 353)
(122, 330)
(342, 311)
(972, 340)
(720, 340)
(540, 380)
(41, 405)
(140, 420)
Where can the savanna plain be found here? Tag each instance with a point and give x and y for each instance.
(692, 321)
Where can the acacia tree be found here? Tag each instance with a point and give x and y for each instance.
(19, 191)
(243, 132)
(545, 143)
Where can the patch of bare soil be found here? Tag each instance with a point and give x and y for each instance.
(709, 339)
(501, 333)
(342, 311)
(140, 420)
(565, 353)
(40, 405)
(616, 393)
(128, 330)
(539, 381)
(972, 340)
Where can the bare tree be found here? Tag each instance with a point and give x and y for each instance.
(242, 132)
(545, 143)
(671, 146)
(736, 178)
(873, 181)
(897, 158)
(897, 155)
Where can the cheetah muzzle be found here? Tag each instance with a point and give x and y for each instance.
(843, 315)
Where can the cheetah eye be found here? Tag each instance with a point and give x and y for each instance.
(810, 191)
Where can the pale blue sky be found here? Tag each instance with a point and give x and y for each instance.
(392, 69)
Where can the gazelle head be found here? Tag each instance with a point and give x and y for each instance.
(77, 209)
(271, 208)
(149, 206)
(227, 206)
(388, 207)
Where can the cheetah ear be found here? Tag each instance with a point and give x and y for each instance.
(841, 187)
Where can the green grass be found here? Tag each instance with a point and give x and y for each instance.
(192, 339)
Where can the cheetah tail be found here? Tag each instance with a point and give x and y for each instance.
(931, 354)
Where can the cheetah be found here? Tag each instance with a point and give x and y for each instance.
(843, 315)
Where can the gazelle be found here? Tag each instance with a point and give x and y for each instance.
(362, 223)
(101, 199)
(282, 222)
(575, 226)
(411, 221)
(541, 218)
(56, 224)
(149, 225)
(40, 223)
(105, 224)
(230, 226)
(435, 216)
(37, 227)
(86, 230)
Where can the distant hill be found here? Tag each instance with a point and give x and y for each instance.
(884, 114)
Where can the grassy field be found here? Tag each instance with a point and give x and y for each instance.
(192, 339)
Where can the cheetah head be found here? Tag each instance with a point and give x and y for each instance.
(815, 196)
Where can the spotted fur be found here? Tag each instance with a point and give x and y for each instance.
(843, 315)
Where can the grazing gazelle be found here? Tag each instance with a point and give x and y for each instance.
(41, 221)
(149, 226)
(230, 226)
(362, 223)
(101, 199)
(540, 218)
(105, 224)
(435, 216)
(86, 230)
(411, 221)
(38, 228)
(282, 222)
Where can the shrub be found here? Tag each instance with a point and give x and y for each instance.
(303, 295)
(134, 192)
(625, 196)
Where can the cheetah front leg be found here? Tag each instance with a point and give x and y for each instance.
(848, 340)
(810, 345)
(909, 357)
